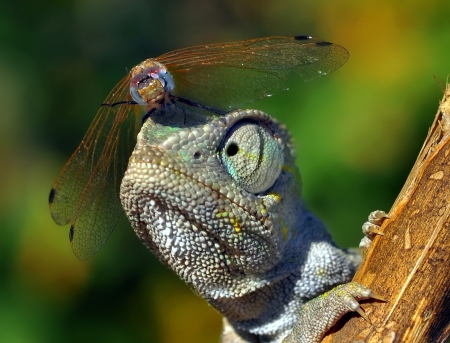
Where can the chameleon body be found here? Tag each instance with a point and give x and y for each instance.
(218, 200)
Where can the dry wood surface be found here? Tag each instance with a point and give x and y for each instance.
(410, 265)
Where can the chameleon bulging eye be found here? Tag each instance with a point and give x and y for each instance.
(252, 156)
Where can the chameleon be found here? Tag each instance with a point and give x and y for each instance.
(217, 198)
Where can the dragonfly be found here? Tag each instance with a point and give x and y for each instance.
(215, 77)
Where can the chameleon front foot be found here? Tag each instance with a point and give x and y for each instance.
(371, 228)
(320, 314)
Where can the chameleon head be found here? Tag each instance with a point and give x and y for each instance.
(150, 83)
(203, 193)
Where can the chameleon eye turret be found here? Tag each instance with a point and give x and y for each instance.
(253, 156)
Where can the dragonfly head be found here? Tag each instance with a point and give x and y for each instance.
(150, 83)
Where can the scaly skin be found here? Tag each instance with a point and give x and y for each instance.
(231, 222)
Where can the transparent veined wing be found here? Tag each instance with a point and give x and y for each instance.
(226, 75)
(85, 193)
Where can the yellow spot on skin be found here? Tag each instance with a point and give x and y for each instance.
(270, 200)
(438, 175)
(324, 295)
(222, 214)
(275, 196)
(236, 224)
(320, 272)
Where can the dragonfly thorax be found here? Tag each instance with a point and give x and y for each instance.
(150, 83)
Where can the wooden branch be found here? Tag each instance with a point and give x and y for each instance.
(410, 265)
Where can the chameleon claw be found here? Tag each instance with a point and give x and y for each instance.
(363, 314)
(364, 246)
(370, 228)
(374, 295)
(334, 304)
(360, 311)
(377, 232)
(358, 291)
(377, 217)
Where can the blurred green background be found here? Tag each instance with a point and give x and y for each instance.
(358, 132)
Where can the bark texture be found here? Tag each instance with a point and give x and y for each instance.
(410, 265)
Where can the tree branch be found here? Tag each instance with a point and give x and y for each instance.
(410, 265)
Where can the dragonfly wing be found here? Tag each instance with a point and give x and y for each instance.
(85, 194)
(230, 74)
(92, 227)
(226, 88)
(69, 186)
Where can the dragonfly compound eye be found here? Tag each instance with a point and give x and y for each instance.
(151, 85)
